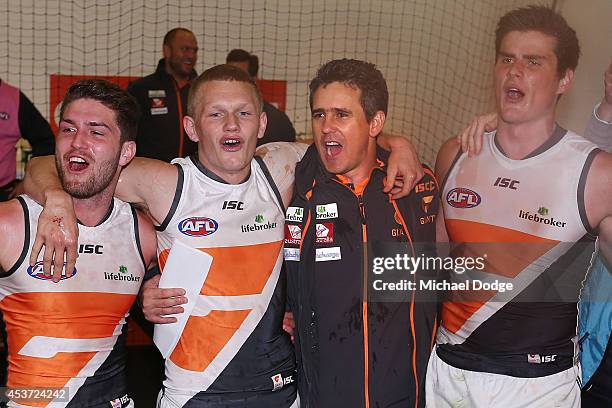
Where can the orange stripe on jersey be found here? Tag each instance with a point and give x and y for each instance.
(235, 271)
(204, 337)
(471, 231)
(238, 270)
(60, 317)
(506, 252)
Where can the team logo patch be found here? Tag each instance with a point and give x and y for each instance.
(294, 214)
(426, 202)
(327, 211)
(463, 198)
(327, 254)
(325, 233)
(198, 226)
(36, 271)
(293, 234)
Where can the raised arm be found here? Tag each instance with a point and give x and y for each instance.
(281, 158)
(149, 183)
(404, 169)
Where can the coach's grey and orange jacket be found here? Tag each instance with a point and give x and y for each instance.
(357, 346)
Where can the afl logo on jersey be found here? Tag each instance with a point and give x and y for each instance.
(462, 198)
(198, 226)
(36, 271)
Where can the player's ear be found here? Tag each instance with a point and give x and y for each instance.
(128, 151)
(377, 123)
(190, 128)
(263, 122)
(565, 82)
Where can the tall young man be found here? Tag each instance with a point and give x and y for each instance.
(534, 195)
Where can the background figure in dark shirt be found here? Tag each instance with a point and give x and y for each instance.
(162, 97)
(279, 127)
(19, 118)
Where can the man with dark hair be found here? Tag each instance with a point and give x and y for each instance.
(76, 351)
(162, 97)
(19, 118)
(356, 346)
(279, 127)
(536, 195)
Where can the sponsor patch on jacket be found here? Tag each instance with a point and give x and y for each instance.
(463, 198)
(328, 254)
(291, 254)
(327, 211)
(158, 106)
(157, 93)
(278, 381)
(325, 233)
(293, 234)
(294, 214)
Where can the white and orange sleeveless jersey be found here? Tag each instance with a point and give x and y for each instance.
(527, 219)
(71, 334)
(233, 341)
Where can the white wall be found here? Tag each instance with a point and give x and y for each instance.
(592, 20)
(437, 55)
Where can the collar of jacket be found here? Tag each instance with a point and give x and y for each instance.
(161, 71)
(311, 169)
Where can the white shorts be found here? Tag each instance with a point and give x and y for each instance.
(448, 386)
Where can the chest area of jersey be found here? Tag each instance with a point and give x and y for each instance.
(102, 266)
(224, 217)
(537, 200)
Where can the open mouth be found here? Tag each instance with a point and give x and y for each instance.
(514, 94)
(333, 148)
(231, 144)
(77, 163)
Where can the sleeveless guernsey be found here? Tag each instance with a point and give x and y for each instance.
(527, 219)
(71, 334)
(233, 345)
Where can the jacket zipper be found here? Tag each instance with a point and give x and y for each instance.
(364, 305)
(366, 351)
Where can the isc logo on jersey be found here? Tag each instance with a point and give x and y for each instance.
(463, 198)
(36, 271)
(198, 226)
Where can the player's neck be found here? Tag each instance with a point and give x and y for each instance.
(92, 211)
(517, 140)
